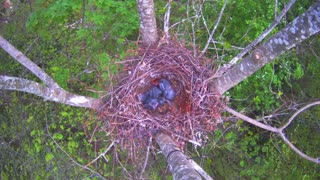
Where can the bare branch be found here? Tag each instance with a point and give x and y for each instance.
(147, 156)
(200, 170)
(102, 154)
(179, 165)
(251, 121)
(166, 19)
(300, 29)
(279, 130)
(300, 153)
(27, 63)
(261, 37)
(57, 95)
(214, 29)
(297, 113)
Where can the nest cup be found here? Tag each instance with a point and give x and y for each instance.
(190, 116)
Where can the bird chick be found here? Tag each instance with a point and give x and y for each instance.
(152, 98)
(151, 103)
(167, 90)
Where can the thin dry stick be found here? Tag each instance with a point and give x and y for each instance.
(102, 154)
(166, 19)
(214, 29)
(123, 168)
(147, 155)
(74, 161)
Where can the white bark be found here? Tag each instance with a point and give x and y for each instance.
(297, 31)
(52, 91)
(179, 164)
(51, 94)
(148, 24)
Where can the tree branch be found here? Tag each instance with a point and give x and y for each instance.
(210, 39)
(166, 19)
(27, 63)
(251, 121)
(297, 31)
(261, 37)
(298, 112)
(180, 166)
(279, 130)
(57, 95)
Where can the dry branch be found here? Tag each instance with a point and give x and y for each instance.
(280, 130)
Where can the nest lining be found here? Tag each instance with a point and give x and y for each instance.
(189, 117)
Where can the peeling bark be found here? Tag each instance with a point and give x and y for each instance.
(179, 165)
(148, 25)
(297, 31)
(50, 94)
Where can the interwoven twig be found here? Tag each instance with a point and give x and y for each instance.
(189, 117)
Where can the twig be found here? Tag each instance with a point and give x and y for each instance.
(251, 121)
(166, 19)
(147, 157)
(297, 113)
(102, 154)
(214, 29)
(74, 161)
(279, 130)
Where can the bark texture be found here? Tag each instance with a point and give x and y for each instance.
(297, 31)
(50, 94)
(148, 25)
(27, 63)
(179, 165)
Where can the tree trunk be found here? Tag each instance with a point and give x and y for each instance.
(148, 25)
(297, 31)
(179, 165)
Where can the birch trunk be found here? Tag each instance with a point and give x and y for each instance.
(148, 24)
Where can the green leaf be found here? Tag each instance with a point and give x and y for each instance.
(49, 157)
(58, 136)
(242, 163)
(230, 136)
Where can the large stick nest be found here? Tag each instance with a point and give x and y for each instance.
(192, 114)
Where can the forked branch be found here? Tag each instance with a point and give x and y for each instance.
(280, 130)
(51, 94)
(27, 63)
(51, 91)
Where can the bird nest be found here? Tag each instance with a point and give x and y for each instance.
(190, 116)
